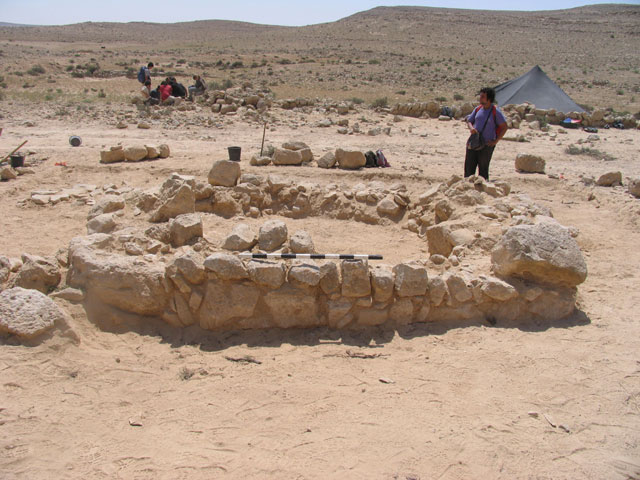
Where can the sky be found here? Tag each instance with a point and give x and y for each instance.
(272, 12)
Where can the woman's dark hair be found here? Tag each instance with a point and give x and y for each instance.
(490, 92)
(150, 65)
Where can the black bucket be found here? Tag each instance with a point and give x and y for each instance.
(234, 153)
(17, 160)
(75, 141)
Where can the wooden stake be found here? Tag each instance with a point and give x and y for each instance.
(264, 132)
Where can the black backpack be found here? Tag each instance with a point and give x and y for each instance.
(372, 160)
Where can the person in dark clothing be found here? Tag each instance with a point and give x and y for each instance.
(489, 122)
(177, 89)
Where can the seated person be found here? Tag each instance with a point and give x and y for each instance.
(197, 89)
(166, 96)
(177, 89)
(147, 94)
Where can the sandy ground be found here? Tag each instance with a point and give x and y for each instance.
(468, 400)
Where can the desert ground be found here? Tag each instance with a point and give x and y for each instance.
(462, 400)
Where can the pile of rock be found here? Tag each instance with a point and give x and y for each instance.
(31, 272)
(255, 195)
(291, 153)
(7, 172)
(273, 236)
(516, 114)
(299, 153)
(82, 193)
(232, 101)
(134, 153)
(430, 110)
(290, 104)
(168, 270)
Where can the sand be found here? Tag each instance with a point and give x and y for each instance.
(555, 401)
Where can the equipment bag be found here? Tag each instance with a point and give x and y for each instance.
(371, 159)
(381, 160)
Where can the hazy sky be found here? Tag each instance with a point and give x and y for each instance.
(274, 12)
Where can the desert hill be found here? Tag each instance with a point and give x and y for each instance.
(394, 52)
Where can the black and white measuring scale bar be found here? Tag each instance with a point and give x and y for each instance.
(312, 256)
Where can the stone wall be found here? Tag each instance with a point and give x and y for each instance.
(492, 255)
(167, 270)
(223, 292)
(516, 114)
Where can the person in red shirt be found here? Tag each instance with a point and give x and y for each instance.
(166, 96)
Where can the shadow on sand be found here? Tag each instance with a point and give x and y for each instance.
(370, 337)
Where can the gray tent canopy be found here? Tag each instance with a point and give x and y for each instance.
(536, 88)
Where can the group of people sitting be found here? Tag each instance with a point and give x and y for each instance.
(170, 91)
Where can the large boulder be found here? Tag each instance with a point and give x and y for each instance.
(135, 153)
(283, 156)
(634, 187)
(307, 155)
(224, 173)
(226, 302)
(184, 228)
(610, 179)
(272, 235)
(152, 152)
(304, 275)
(38, 273)
(241, 238)
(292, 307)
(176, 197)
(28, 313)
(113, 155)
(109, 204)
(530, 163)
(267, 274)
(226, 266)
(388, 207)
(382, 281)
(497, 289)
(301, 242)
(104, 223)
(5, 270)
(410, 279)
(119, 281)
(544, 253)
(164, 151)
(356, 281)
(438, 240)
(190, 264)
(350, 159)
(295, 145)
(328, 160)
(442, 238)
(330, 281)
(8, 173)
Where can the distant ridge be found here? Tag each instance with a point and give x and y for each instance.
(7, 24)
(376, 12)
